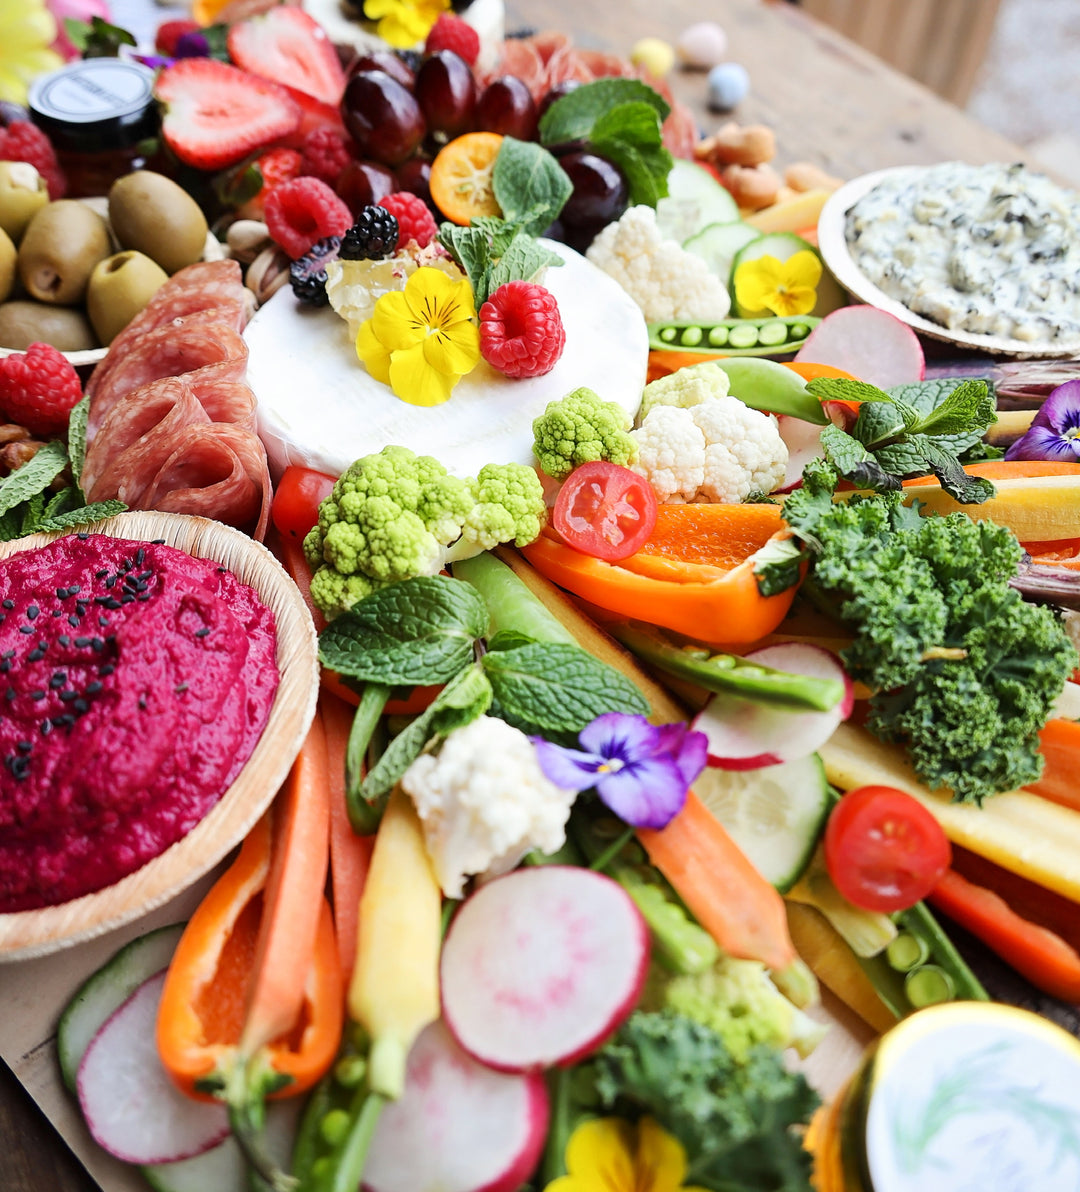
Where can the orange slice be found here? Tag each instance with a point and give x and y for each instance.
(461, 177)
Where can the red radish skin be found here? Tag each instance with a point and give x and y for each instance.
(868, 343)
(746, 735)
(133, 1109)
(803, 441)
(459, 1127)
(541, 966)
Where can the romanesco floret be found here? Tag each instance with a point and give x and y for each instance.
(665, 280)
(685, 387)
(580, 428)
(737, 1000)
(719, 450)
(484, 802)
(395, 514)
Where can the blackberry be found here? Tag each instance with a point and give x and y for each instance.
(373, 236)
(307, 274)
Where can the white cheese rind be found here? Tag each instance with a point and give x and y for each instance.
(320, 408)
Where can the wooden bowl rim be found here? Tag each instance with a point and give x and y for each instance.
(33, 933)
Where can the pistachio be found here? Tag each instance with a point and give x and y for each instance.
(14, 455)
(246, 238)
(267, 273)
(12, 432)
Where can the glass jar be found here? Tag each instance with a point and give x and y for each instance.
(99, 114)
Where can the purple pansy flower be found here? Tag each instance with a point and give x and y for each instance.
(1055, 429)
(640, 771)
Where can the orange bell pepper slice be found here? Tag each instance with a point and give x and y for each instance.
(695, 575)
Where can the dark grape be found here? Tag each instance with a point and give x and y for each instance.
(507, 107)
(415, 177)
(386, 61)
(382, 117)
(363, 183)
(600, 196)
(446, 93)
(557, 92)
(11, 113)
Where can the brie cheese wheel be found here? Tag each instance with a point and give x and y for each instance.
(320, 408)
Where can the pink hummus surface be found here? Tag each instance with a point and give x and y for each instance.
(135, 681)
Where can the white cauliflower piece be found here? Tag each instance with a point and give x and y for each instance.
(484, 803)
(688, 386)
(665, 280)
(719, 450)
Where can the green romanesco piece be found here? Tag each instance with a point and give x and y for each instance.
(335, 593)
(685, 387)
(508, 506)
(579, 429)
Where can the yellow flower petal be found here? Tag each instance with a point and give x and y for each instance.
(660, 1158)
(802, 269)
(372, 353)
(454, 349)
(395, 322)
(437, 298)
(415, 381)
(756, 282)
(600, 1156)
(798, 300)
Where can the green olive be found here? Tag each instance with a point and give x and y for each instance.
(8, 257)
(25, 323)
(23, 192)
(59, 250)
(150, 213)
(119, 288)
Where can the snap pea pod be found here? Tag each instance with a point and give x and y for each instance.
(726, 673)
(773, 336)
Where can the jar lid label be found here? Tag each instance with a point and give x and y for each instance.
(92, 90)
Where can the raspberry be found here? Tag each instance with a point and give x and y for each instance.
(521, 333)
(326, 153)
(23, 141)
(38, 389)
(415, 221)
(303, 210)
(373, 236)
(169, 33)
(452, 33)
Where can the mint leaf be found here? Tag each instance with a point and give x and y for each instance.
(83, 515)
(968, 490)
(842, 389)
(969, 407)
(928, 396)
(77, 419)
(852, 460)
(778, 565)
(522, 261)
(460, 702)
(34, 476)
(529, 185)
(572, 117)
(421, 630)
(470, 247)
(631, 137)
(878, 423)
(550, 688)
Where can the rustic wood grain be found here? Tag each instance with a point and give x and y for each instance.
(829, 102)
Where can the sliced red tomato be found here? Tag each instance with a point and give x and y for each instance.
(605, 511)
(297, 498)
(883, 849)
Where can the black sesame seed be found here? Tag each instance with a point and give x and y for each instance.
(103, 622)
(81, 706)
(58, 680)
(142, 702)
(81, 643)
(5, 666)
(32, 612)
(82, 535)
(68, 696)
(64, 640)
(110, 581)
(74, 588)
(9, 603)
(127, 598)
(143, 597)
(80, 607)
(39, 694)
(204, 632)
(158, 541)
(46, 727)
(180, 688)
(57, 612)
(97, 644)
(61, 593)
(143, 575)
(9, 695)
(107, 669)
(139, 556)
(24, 746)
(94, 687)
(64, 721)
(26, 629)
(73, 621)
(35, 655)
(113, 604)
(8, 654)
(101, 574)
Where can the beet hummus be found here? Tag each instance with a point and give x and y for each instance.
(135, 681)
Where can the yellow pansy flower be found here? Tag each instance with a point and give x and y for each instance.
(422, 341)
(403, 23)
(27, 29)
(610, 1155)
(785, 288)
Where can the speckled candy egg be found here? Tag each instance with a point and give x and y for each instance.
(653, 55)
(728, 86)
(702, 45)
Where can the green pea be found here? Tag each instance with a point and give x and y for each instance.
(334, 1126)
(691, 336)
(772, 334)
(669, 334)
(718, 336)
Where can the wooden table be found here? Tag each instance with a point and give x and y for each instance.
(828, 101)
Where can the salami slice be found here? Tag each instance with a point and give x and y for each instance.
(225, 401)
(520, 58)
(567, 64)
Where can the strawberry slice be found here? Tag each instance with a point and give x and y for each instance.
(287, 45)
(215, 114)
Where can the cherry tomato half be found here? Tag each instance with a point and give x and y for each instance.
(297, 497)
(605, 511)
(883, 849)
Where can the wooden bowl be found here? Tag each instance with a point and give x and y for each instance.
(25, 934)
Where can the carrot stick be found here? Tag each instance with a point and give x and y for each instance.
(721, 888)
(293, 899)
(350, 854)
(1059, 743)
(1044, 958)
(1008, 469)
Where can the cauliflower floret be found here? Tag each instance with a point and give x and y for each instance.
(719, 450)
(688, 386)
(665, 280)
(580, 428)
(484, 803)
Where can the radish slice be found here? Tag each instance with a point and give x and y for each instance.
(541, 965)
(745, 734)
(133, 1109)
(459, 1126)
(803, 441)
(868, 343)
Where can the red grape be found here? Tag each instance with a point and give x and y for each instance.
(506, 106)
(415, 177)
(364, 183)
(382, 117)
(446, 93)
(387, 61)
(600, 196)
(557, 92)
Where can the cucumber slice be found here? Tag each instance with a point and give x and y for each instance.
(783, 245)
(719, 242)
(107, 990)
(775, 814)
(695, 199)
